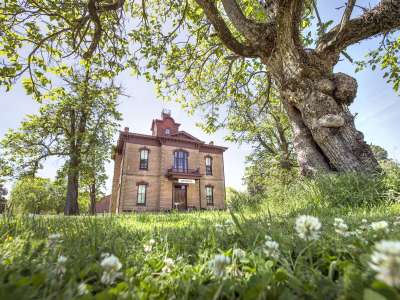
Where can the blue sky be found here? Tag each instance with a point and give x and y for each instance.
(377, 107)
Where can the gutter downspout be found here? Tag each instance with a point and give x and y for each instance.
(122, 179)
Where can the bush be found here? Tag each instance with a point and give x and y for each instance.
(37, 196)
(391, 179)
(237, 200)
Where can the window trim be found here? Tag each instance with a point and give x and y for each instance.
(210, 203)
(175, 166)
(209, 168)
(146, 160)
(146, 185)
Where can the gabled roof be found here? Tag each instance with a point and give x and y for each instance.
(184, 135)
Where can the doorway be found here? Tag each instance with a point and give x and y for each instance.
(180, 197)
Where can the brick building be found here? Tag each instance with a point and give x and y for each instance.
(165, 170)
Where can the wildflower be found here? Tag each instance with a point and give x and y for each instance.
(239, 253)
(381, 225)
(105, 254)
(60, 268)
(341, 227)
(308, 227)
(53, 239)
(111, 266)
(169, 263)
(271, 249)
(83, 289)
(219, 263)
(385, 260)
(149, 245)
(219, 228)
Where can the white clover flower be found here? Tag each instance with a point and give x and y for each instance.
(219, 263)
(239, 253)
(341, 227)
(308, 227)
(271, 249)
(105, 254)
(60, 267)
(62, 259)
(149, 245)
(55, 236)
(111, 266)
(53, 239)
(83, 289)
(147, 248)
(111, 263)
(385, 260)
(169, 263)
(219, 228)
(380, 226)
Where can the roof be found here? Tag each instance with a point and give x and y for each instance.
(180, 136)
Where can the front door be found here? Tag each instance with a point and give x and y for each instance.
(180, 197)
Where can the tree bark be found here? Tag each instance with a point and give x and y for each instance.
(309, 156)
(71, 205)
(92, 198)
(325, 137)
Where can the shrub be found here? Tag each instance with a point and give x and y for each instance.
(237, 200)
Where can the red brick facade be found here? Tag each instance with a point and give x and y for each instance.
(166, 170)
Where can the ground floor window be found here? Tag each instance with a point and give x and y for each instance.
(141, 193)
(210, 195)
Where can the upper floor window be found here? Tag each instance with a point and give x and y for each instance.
(141, 193)
(181, 161)
(210, 194)
(144, 159)
(167, 131)
(208, 165)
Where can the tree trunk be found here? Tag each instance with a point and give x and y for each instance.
(309, 156)
(93, 199)
(325, 134)
(71, 205)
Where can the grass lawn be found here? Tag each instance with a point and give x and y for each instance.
(195, 255)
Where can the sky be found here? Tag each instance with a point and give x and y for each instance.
(377, 107)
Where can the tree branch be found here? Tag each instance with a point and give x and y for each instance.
(382, 18)
(251, 30)
(223, 31)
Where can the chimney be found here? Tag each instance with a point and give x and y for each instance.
(165, 113)
(126, 129)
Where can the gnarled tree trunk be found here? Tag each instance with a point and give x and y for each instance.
(325, 137)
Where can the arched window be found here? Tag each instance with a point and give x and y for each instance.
(144, 159)
(181, 161)
(210, 194)
(141, 193)
(208, 165)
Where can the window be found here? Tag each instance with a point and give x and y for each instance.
(141, 193)
(210, 195)
(180, 161)
(167, 131)
(144, 159)
(208, 165)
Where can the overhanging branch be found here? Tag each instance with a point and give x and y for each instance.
(382, 18)
(226, 36)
